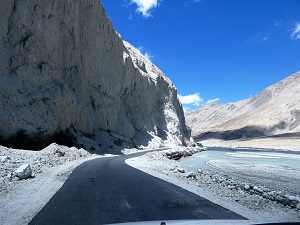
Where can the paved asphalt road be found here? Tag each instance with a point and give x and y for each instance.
(107, 190)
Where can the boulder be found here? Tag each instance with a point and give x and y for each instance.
(199, 144)
(246, 187)
(3, 159)
(178, 154)
(59, 153)
(181, 170)
(23, 172)
(191, 175)
(200, 171)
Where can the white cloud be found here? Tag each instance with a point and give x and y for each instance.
(194, 99)
(145, 6)
(186, 109)
(265, 38)
(141, 48)
(188, 3)
(130, 17)
(277, 23)
(296, 31)
(148, 55)
(212, 100)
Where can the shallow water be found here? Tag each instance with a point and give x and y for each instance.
(278, 169)
(244, 156)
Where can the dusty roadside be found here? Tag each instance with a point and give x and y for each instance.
(21, 199)
(207, 185)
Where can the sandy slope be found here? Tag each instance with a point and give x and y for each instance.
(275, 110)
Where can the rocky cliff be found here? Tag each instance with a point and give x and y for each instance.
(64, 67)
(273, 111)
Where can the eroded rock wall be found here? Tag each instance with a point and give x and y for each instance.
(63, 65)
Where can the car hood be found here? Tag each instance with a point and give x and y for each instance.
(195, 222)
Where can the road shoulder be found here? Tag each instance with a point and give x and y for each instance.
(255, 209)
(22, 199)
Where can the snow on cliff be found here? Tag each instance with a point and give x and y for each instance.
(64, 69)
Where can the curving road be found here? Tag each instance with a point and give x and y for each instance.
(107, 190)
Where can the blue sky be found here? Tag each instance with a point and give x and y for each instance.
(213, 50)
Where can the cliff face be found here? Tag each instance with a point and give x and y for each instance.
(62, 65)
(273, 111)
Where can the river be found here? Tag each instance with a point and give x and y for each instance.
(277, 170)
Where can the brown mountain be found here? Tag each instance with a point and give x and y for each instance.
(273, 111)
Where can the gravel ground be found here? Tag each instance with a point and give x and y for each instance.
(218, 188)
(21, 199)
(274, 177)
(51, 156)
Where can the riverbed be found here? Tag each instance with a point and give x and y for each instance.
(277, 170)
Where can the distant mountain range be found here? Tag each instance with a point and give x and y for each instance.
(273, 111)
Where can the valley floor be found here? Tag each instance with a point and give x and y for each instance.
(216, 188)
(280, 143)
